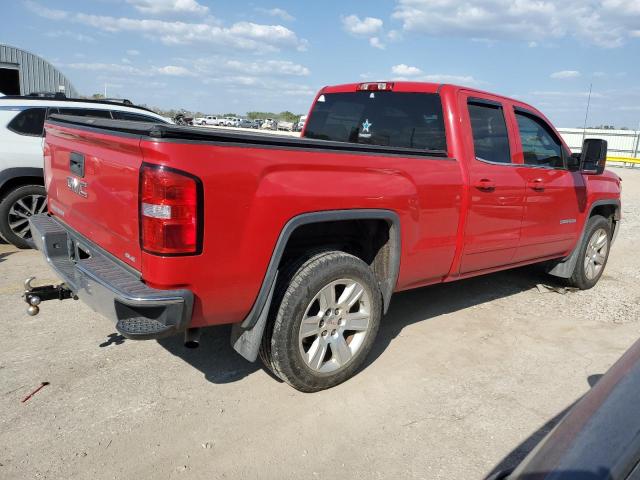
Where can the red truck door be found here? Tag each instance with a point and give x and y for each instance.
(554, 195)
(497, 188)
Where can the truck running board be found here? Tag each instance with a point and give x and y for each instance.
(34, 296)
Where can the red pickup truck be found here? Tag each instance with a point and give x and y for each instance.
(301, 242)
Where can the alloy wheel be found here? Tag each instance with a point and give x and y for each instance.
(596, 253)
(334, 325)
(20, 212)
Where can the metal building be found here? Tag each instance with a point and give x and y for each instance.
(22, 73)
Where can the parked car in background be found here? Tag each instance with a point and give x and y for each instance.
(393, 186)
(257, 123)
(269, 124)
(245, 123)
(288, 126)
(182, 119)
(208, 120)
(22, 118)
(300, 125)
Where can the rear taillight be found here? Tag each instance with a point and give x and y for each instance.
(170, 219)
(376, 86)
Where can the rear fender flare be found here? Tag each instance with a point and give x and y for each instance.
(246, 336)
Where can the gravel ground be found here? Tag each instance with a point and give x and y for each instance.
(464, 378)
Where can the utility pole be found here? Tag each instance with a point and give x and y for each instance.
(635, 150)
(105, 90)
(586, 115)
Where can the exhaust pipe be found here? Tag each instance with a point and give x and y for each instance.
(192, 338)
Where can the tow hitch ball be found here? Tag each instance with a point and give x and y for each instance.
(34, 296)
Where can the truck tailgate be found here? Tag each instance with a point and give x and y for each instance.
(92, 184)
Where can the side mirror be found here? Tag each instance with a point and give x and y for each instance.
(594, 156)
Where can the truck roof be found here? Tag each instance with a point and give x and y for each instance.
(62, 101)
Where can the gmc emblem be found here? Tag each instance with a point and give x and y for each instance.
(77, 186)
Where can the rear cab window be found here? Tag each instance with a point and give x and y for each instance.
(386, 118)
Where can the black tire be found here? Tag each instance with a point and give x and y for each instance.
(579, 278)
(299, 283)
(23, 192)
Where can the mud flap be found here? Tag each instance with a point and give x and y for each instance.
(247, 341)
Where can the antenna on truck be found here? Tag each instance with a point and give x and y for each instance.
(586, 115)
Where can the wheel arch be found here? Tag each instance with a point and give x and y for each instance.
(609, 208)
(245, 336)
(11, 178)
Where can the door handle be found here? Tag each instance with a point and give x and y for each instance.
(537, 185)
(486, 185)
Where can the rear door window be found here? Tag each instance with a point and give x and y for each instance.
(28, 122)
(489, 129)
(396, 119)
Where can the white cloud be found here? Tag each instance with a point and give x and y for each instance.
(606, 23)
(368, 26)
(173, 70)
(394, 35)
(277, 12)
(376, 43)
(268, 67)
(241, 35)
(133, 53)
(116, 68)
(78, 37)
(260, 86)
(405, 70)
(445, 78)
(45, 12)
(163, 7)
(565, 74)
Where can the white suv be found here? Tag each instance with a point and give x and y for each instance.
(208, 120)
(22, 192)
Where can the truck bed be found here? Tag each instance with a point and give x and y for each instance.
(230, 137)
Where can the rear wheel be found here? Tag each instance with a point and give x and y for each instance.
(593, 253)
(324, 322)
(15, 210)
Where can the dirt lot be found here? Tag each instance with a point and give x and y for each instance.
(464, 378)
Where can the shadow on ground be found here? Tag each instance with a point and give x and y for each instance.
(215, 357)
(429, 302)
(219, 363)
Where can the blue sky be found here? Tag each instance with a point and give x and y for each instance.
(217, 56)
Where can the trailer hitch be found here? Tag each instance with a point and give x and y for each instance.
(34, 296)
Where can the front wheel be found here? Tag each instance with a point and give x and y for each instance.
(16, 209)
(593, 253)
(324, 321)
